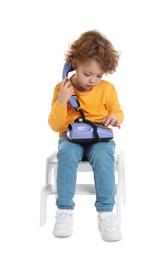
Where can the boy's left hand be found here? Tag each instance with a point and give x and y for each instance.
(111, 120)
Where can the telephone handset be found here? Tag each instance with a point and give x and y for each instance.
(66, 69)
(73, 101)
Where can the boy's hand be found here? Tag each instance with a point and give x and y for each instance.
(111, 120)
(66, 91)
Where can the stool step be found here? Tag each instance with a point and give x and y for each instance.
(81, 189)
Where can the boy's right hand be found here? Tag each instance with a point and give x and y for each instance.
(66, 91)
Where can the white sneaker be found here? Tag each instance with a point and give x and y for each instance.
(107, 224)
(64, 223)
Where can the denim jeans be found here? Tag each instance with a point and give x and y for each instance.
(101, 156)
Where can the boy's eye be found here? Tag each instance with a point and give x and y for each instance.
(87, 75)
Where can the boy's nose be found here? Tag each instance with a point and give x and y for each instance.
(92, 80)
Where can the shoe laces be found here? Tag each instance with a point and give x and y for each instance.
(109, 221)
(63, 216)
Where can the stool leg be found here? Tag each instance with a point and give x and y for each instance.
(43, 206)
(123, 177)
(121, 189)
(118, 203)
(48, 172)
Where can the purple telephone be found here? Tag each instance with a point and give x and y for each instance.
(84, 131)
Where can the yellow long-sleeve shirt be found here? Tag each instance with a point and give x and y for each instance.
(101, 101)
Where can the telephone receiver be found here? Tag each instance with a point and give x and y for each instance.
(66, 69)
(73, 101)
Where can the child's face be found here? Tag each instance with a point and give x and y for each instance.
(88, 75)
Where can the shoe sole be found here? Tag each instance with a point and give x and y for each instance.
(113, 238)
(109, 239)
(62, 235)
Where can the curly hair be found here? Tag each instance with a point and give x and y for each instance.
(93, 45)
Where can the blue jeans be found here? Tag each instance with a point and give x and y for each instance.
(101, 157)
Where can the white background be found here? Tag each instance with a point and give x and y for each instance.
(33, 38)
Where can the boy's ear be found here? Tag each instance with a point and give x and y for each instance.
(66, 69)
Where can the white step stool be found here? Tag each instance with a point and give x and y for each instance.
(82, 189)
